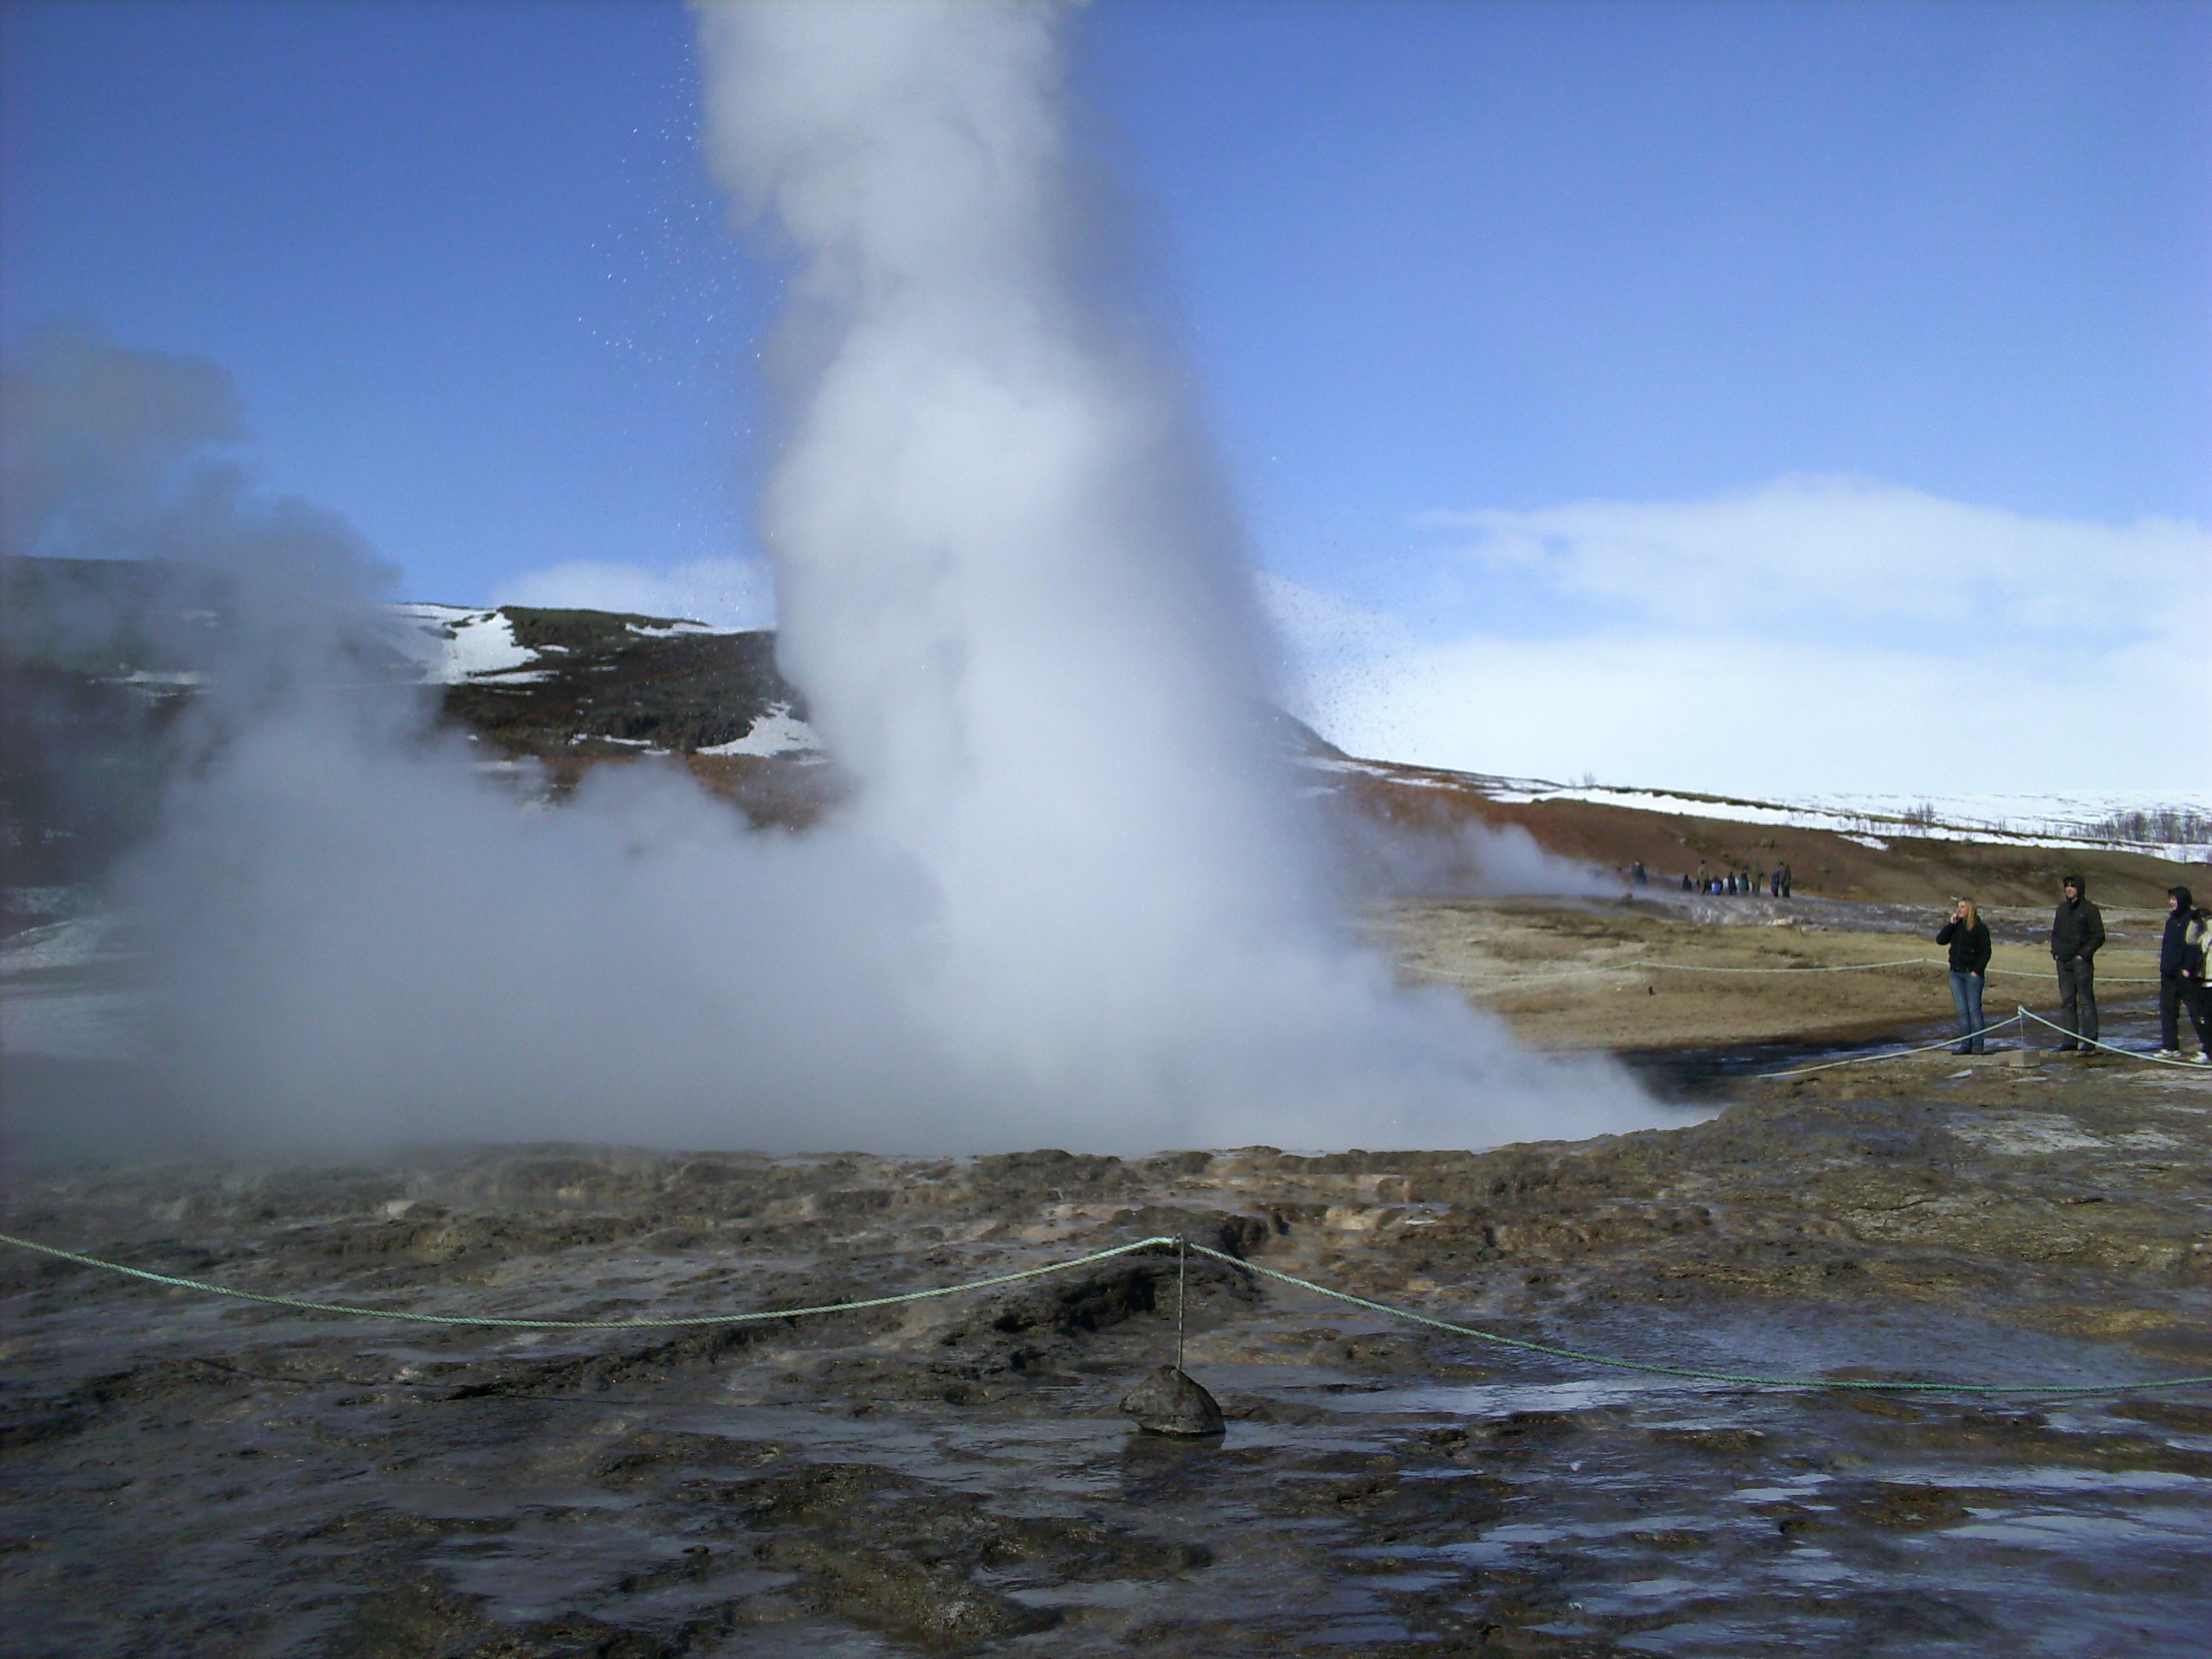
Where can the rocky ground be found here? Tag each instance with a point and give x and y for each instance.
(183, 1474)
(189, 1475)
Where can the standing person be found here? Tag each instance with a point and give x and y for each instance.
(2180, 973)
(2197, 976)
(1969, 936)
(2077, 933)
(1785, 878)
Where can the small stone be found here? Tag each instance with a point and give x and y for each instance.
(1169, 1402)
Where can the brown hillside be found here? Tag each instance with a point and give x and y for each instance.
(1910, 870)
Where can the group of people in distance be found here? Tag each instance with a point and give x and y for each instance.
(2077, 933)
(1775, 881)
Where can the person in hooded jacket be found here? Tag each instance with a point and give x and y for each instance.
(2196, 942)
(2077, 933)
(2181, 974)
(1969, 936)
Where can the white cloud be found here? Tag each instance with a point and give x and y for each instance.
(1818, 634)
(729, 593)
(1842, 553)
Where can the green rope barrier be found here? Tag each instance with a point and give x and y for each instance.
(1742, 1379)
(177, 1283)
(1895, 1053)
(1637, 964)
(1611, 1362)
(2125, 1053)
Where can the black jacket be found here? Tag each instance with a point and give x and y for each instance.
(2173, 947)
(2077, 930)
(1969, 946)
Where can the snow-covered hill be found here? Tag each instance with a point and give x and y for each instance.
(2162, 827)
(90, 705)
(579, 683)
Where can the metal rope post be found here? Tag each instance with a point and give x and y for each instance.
(1182, 1259)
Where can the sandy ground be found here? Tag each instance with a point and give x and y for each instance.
(180, 1474)
(1663, 973)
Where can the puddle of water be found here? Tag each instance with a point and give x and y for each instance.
(1122, 1594)
(1779, 1491)
(818, 1638)
(543, 1570)
(1768, 1340)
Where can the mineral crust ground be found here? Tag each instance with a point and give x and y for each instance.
(181, 1474)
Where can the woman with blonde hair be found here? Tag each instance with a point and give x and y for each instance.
(1969, 941)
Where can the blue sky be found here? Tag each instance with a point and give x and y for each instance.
(1695, 362)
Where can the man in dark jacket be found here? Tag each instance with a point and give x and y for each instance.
(2077, 933)
(2181, 976)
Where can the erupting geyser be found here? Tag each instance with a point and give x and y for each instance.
(1012, 585)
(1069, 903)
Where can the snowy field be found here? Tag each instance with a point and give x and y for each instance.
(2163, 826)
(2176, 830)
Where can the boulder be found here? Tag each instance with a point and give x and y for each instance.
(1169, 1402)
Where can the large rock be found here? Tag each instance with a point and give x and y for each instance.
(1169, 1402)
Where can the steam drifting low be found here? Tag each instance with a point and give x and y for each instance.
(1069, 903)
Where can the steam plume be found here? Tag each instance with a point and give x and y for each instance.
(1069, 903)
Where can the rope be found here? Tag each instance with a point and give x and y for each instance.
(1746, 1380)
(1635, 965)
(2014, 1018)
(1520, 979)
(2125, 1053)
(2115, 979)
(1677, 967)
(580, 1325)
(1837, 968)
(1894, 1053)
(1183, 1246)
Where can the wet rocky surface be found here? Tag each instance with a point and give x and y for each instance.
(184, 1474)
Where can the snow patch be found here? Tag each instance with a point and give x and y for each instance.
(452, 644)
(675, 628)
(777, 732)
(78, 942)
(181, 677)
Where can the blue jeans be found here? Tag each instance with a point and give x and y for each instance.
(1966, 995)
